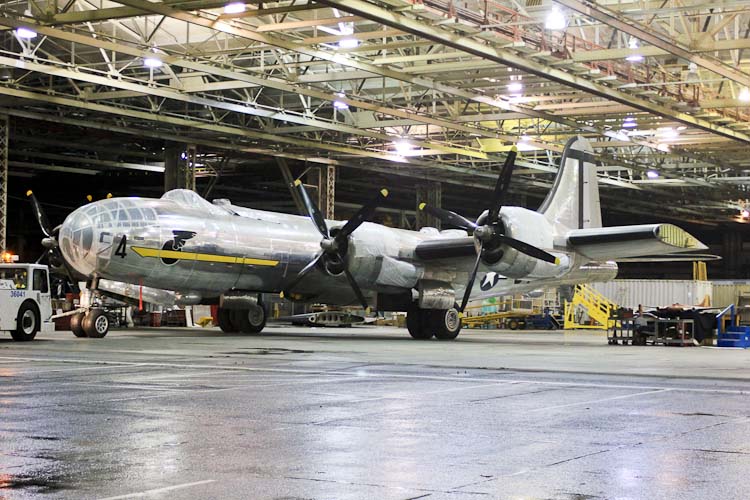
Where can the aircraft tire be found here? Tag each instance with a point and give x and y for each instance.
(27, 323)
(76, 325)
(225, 321)
(96, 324)
(251, 320)
(417, 323)
(446, 323)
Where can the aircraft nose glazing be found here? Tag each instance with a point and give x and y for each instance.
(77, 242)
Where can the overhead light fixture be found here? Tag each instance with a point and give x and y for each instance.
(692, 74)
(556, 20)
(6, 73)
(338, 104)
(348, 43)
(652, 174)
(152, 62)
(744, 95)
(668, 133)
(234, 8)
(523, 144)
(633, 44)
(25, 33)
(515, 86)
(745, 214)
(403, 146)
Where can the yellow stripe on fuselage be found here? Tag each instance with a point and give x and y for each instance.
(201, 257)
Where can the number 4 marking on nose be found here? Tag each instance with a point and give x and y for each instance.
(120, 252)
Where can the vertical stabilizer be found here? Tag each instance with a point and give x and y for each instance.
(574, 199)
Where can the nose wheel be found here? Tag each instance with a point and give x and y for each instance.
(93, 324)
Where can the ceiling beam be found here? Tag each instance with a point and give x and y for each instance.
(647, 34)
(505, 56)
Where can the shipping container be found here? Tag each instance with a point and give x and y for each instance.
(655, 293)
(726, 292)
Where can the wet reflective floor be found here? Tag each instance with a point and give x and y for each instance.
(367, 412)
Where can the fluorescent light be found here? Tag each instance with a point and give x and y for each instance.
(633, 44)
(340, 104)
(629, 122)
(403, 147)
(26, 33)
(668, 133)
(523, 144)
(152, 62)
(234, 8)
(515, 87)
(348, 43)
(652, 174)
(744, 95)
(556, 20)
(692, 74)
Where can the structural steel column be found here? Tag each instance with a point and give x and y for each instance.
(179, 166)
(329, 179)
(432, 194)
(4, 137)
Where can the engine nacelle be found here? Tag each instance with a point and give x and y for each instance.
(532, 228)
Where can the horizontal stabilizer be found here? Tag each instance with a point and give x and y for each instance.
(676, 257)
(627, 242)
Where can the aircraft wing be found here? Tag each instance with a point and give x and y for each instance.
(446, 248)
(641, 243)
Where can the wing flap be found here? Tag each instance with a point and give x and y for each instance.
(628, 242)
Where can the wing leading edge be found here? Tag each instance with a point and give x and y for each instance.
(641, 243)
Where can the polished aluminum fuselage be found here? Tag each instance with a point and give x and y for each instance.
(183, 243)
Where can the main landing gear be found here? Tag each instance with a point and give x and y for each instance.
(444, 324)
(249, 320)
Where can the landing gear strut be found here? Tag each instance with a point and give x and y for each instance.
(444, 324)
(93, 322)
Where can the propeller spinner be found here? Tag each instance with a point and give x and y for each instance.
(335, 244)
(488, 230)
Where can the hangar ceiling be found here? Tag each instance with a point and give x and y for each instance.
(430, 90)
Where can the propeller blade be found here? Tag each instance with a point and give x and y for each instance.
(527, 249)
(41, 217)
(365, 212)
(472, 277)
(312, 210)
(501, 187)
(355, 287)
(448, 217)
(309, 267)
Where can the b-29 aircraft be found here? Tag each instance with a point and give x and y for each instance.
(220, 253)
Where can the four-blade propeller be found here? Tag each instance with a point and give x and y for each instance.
(488, 230)
(49, 242)
(335, 244)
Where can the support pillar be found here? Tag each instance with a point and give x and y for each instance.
(179, 166)
(329, 191)
(432, 194)
(4, 138)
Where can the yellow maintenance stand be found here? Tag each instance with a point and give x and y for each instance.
(599, 308)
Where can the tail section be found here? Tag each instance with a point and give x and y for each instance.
(574, 199)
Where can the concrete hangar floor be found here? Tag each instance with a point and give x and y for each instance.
(368, 412)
